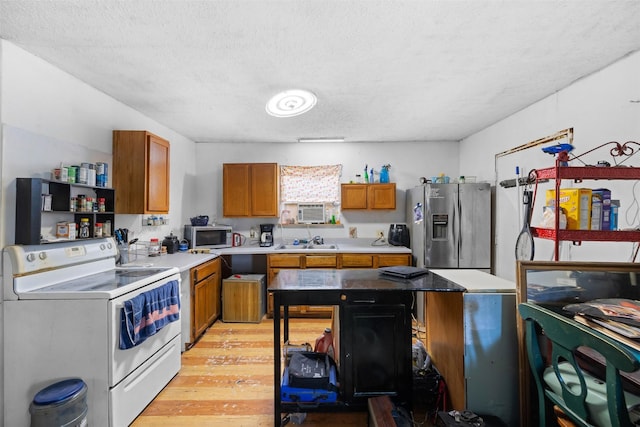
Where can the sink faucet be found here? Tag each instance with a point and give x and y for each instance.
(317, 240)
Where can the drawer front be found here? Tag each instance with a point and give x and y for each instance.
(205, 270)
(321, 261)
(284, 260)
(357, 260)
(388, 260)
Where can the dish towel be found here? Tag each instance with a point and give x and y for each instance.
(145, 314)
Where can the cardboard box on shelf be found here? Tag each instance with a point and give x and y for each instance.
(604, 195)
(577, 204)
(596, 212)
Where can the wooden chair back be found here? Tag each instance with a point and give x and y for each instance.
(566, 336)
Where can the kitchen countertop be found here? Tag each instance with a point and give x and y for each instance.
(437, 280)
(344, 245)
(182, 260)
(476, 281)
(357, 280)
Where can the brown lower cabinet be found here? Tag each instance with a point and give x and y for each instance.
(205, 297)
(277, 262)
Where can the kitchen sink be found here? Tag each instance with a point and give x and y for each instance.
(317, 247)
(289, 247)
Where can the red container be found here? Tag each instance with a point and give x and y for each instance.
(324, 343)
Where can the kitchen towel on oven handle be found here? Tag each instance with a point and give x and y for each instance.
(145, 314)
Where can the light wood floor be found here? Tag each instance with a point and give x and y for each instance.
(227, 380)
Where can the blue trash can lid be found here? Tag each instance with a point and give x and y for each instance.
(58, 392)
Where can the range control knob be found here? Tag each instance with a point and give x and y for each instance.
(31, 257)
(102, 246)
(42, 255)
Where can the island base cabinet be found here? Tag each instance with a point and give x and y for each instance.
(470, 338)
(374, 353)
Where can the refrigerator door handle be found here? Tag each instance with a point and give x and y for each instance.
(455, 232)
(459, 228)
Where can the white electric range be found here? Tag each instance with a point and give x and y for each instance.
(63, 317)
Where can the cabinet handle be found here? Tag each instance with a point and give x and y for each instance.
(366, 301)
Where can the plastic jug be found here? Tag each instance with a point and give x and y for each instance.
(324, 343)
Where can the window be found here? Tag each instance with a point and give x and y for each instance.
(309, 184)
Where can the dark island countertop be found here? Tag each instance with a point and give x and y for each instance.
(354, 280)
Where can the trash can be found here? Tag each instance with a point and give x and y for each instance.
(63, 404)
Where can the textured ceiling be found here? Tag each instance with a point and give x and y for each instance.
(382, 70)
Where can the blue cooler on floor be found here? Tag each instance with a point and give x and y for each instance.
(63, 404)
(309, 395)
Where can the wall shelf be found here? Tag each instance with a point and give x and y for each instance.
(31, 219)
(561, 171)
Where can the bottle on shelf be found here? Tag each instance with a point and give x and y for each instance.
(84, 228)
(324, 343)
(106, 228)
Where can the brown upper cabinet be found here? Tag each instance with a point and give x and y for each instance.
(141, 172)
(249, 189)
(368, 196)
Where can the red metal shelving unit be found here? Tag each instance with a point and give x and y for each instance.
(578, 174)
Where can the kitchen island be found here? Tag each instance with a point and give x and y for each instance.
(373, 348)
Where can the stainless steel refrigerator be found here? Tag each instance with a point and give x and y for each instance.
(450, 225)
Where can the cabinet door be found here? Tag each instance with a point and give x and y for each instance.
(212, 298)
(200, 310)
(206, 306)
(284, 261)
(375, 357)
(368, 196)
(157, 174)
(381, 196)
(235, 189)
(357, 260)
(354, 196)
(140, 172)
(249, 189)
(388, 260)
(264, 189)
(321, 261)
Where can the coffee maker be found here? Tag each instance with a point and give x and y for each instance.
(399, 235)
(266, 234)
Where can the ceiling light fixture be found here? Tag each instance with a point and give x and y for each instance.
(291, 103)
(320, 139)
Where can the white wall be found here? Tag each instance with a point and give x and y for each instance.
(49, 117)
(409, 161)
(599, 110)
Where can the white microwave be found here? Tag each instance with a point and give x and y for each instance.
(208, 236)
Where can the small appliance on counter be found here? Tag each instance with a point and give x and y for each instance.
(237, 239)
(208, 236)
(399, 235)
(266, 235)
(172, 243)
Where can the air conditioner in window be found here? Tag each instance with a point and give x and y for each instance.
(311, 213)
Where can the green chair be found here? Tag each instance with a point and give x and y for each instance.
(586, 400)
